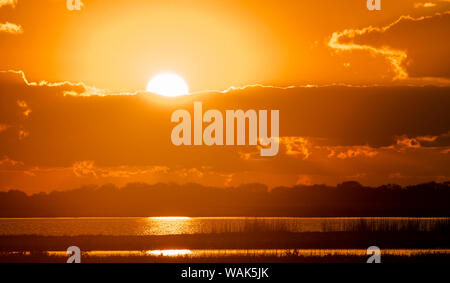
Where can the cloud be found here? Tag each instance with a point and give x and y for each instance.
(8, 27)
(306, 147)
(351, 152)
(3, 127)
(424, 55)
(432, 4)
(309, 148)
(7, 162)
(296, 146)
(8, 3)
(88, 169)
(404, 142)
(427, 138)
(26, 110)
(424, 5)
(328, 133)
(66, 87)
(326, 113)
(84, 168)
(23, 134)
(11, 28)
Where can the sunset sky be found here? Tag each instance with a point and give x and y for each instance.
(363, 95)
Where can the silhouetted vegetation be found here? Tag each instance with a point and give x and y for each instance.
(289, 257)
(137, 199)
(439, 225)
(363, 225)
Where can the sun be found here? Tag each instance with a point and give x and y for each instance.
(168, 84)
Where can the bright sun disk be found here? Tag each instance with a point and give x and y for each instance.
(168, 84)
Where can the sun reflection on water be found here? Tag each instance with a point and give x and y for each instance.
(168, 225)
(169, 252)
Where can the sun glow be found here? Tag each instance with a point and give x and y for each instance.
(168, 84)
(169, 252)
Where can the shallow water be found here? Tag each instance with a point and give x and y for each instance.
(140, 226)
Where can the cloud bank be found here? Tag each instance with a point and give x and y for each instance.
(11, 3)
(54, 136)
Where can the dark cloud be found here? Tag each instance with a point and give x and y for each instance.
(423, 55)
(329, 134)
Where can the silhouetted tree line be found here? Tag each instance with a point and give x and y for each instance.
(138, 199)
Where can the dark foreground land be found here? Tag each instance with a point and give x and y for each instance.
(33, 248)
(42, 258)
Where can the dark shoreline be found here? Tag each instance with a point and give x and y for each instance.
(427, 259)
(162, 199)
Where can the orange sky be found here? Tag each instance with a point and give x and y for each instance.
(373, 135)
(120, 45)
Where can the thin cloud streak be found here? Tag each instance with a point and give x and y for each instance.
(346, 40)
(11, 3)
(11, 28)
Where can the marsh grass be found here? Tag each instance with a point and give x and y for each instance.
(365, 225)
(271, 225)
(295, 255)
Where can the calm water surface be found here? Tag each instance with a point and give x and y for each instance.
(186, 225)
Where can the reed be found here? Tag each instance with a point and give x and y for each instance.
(435, 225)
(264, 225)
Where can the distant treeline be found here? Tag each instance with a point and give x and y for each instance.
(137, 199)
